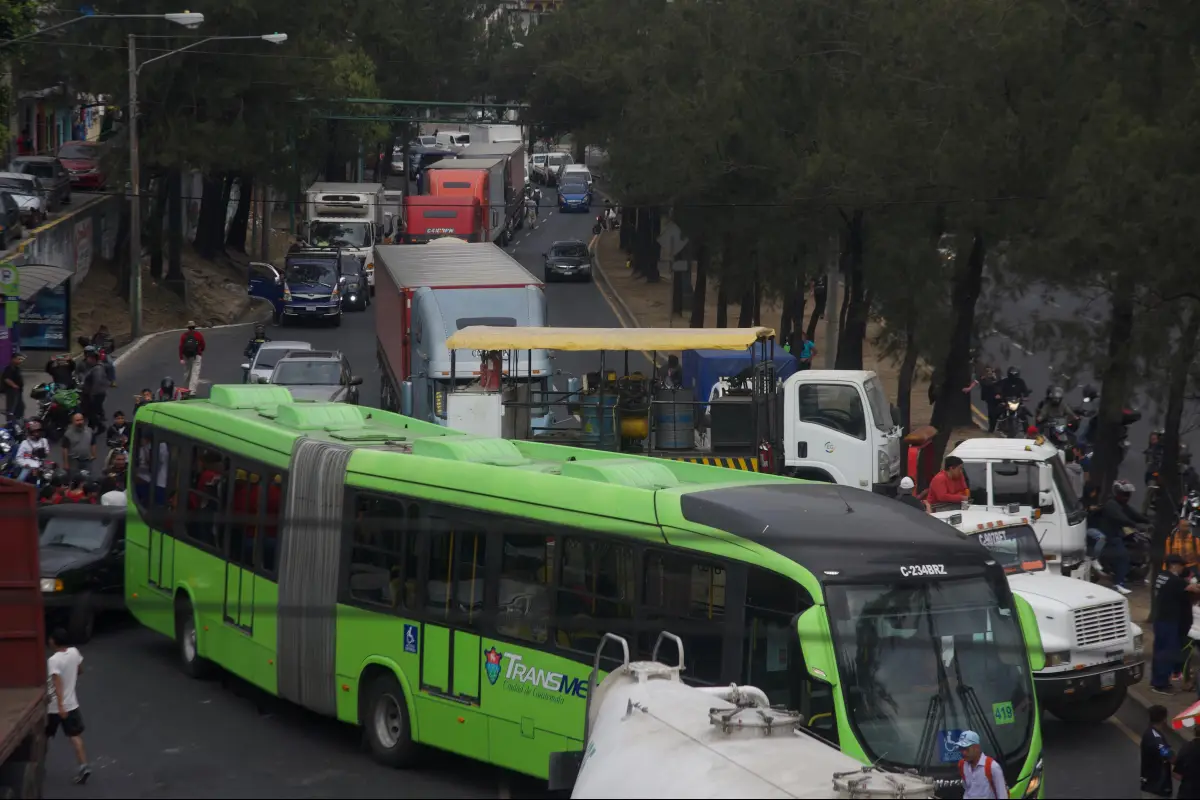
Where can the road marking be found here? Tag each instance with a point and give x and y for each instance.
(1012, 341)
(1125, 729)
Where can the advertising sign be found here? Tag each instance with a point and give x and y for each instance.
(45, 320)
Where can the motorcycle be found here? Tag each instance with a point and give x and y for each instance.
(1060, 433)
(55, 412)
(1137, 544)
(1010, 423)
(1191, 509)
(9, 442)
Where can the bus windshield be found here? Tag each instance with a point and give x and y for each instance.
(903, 646)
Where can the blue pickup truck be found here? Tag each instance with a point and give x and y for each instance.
(308, 288)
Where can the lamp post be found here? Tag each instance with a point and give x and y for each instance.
(187, 19)
(135, 169)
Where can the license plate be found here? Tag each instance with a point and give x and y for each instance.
(1108, 680)
(1113, 655)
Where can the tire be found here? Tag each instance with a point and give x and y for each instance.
(1091, 711)
(24, 773)
(190, 660)
(82, 624)
(337, 321)
(383, 714)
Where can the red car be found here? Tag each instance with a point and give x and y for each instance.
(82, 160)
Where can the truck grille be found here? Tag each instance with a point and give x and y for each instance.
(1100, 624)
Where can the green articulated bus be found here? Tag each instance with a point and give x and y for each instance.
(449, 590)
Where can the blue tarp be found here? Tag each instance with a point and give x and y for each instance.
(703, 368)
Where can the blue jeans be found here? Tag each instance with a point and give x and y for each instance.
(1116, 553)
(1096, 537)
(1166, 653)
(111, 370)
(23, 474)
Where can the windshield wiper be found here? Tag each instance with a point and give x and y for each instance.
(71, 545)
(975, 708)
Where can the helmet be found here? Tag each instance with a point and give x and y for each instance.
(1013, 372)
(167, 385)
(260, 330)
(1055, 393)
(1122, 486)
(1090, 393)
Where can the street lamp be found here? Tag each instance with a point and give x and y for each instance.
(135, 169)
(187, 19)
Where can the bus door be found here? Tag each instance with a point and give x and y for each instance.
(451, 650)
(156, 472)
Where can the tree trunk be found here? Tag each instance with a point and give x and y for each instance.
(757, 300)
(1170, 482)
(175, 224)
(1116, 384)
(722, 306)
(746, 308)
(953, 407)
(332, 165)
(700, 292)
(628, 232)
(155, 222)
(908, 368)
(240, 224)
(209, 222)
(856, 302)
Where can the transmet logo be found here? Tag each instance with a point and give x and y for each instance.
(492, 664)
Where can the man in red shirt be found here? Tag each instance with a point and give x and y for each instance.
(191, 349)
(949, 485)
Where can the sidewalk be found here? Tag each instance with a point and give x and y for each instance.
(1139, 610)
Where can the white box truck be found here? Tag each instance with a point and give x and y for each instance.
(348, 216)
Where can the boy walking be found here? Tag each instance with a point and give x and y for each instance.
(63, 670)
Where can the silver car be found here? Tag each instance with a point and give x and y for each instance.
(317, 376)
(30, 194)
(259, 368)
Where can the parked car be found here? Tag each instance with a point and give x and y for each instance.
(269, 353)
(569, 259)
(83, 163)
(30, 195)
(82, 555)
(356, 293)
(318, 376)
(11, 228)
(51, 173)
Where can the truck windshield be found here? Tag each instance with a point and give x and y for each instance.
(881, 410)
(1071, 502)
(1016, 549)
(326, 233)
(903, 646)
(320, 273)
(75, 534)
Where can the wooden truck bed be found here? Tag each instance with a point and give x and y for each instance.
(20, 709)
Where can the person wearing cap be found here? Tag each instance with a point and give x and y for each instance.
(905, 493)
(982, 775)
(949, 485)
(14, 388)
(1172, 618)
(191, 352)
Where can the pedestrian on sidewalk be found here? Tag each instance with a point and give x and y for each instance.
(14, 388)
(905, 494)
(63, 670)
(982, 775)
(1156, 756)
(191, 352)
(1172, 619)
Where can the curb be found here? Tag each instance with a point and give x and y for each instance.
(137, 344)
(1144, 700)
(626, 316)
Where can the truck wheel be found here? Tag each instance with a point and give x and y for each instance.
(82, 624)
(185, 636)
(1090, 710)
(22, 775)
(383, 715)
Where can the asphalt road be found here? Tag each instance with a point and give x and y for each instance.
(1014, 343)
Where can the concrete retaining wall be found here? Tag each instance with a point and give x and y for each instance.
(75, 240)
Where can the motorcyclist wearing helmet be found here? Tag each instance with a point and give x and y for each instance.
(32, 451)
(1053, 407)
(260, 337)
(1089, 409)
(1013, 385)
(167, 390)
(1115, 516)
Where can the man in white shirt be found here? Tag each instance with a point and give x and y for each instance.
(113, 495)
(982, 776)
(62, 704)
(32, 451)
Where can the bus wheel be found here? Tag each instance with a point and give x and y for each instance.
(384, 718)
(1089, 711)
(185, 635)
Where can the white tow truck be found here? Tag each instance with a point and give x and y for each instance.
(1093, 648)
(649, 734)
(350, 217)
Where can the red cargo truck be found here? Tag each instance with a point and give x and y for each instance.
(428, 217)
(22, 646)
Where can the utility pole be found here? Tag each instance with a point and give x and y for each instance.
(264, 239)
(135, 209)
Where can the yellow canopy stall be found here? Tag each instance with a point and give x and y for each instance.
(486, 337)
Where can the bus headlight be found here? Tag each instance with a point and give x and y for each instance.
(1058, 659)
(51, 585)
(1035, 781)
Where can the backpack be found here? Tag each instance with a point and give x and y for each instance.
(987, 770)
(191, 345)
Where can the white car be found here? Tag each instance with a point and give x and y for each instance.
(269, 353)
(29, 195)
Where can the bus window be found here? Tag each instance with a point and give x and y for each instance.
(596, 592)
(243, 523)
(383, 564)
(526, 574)
(143, 451)
(687, 598)
(206, 498)
(272, 523)
(454, 587)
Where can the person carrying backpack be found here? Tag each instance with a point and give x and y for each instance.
(191, 351)
(982, 776)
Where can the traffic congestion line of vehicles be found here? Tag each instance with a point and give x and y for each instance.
(460, 585)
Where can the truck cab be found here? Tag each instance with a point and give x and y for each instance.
(838, 427)
(1093, 648)
(1030, 474)
(430, 217)
(307, 289)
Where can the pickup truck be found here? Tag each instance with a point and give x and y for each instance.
(22, 647)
